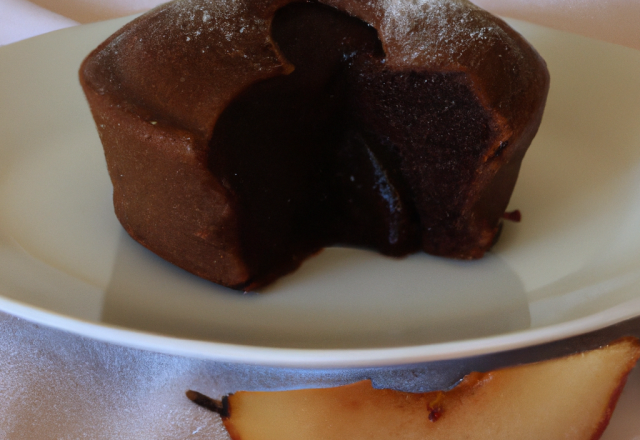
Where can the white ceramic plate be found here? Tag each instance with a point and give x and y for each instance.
(571, 266)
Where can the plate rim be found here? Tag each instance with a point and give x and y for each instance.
(323, 358)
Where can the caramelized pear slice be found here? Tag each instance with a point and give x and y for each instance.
(567, 398)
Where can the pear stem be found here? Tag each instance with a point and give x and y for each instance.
(217, 406)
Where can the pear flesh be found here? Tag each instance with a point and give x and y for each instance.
(567, 398)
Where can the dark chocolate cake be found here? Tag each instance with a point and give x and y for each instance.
(244, 136)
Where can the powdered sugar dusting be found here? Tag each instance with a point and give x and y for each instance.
(196, 22)
(195, 19)
(438, 32)
(223, 46)
(167, 57)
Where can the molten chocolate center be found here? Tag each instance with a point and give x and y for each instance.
(327, 155)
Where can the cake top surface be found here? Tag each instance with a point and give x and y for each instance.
(164, 60)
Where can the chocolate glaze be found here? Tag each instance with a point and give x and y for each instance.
(310, 128)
